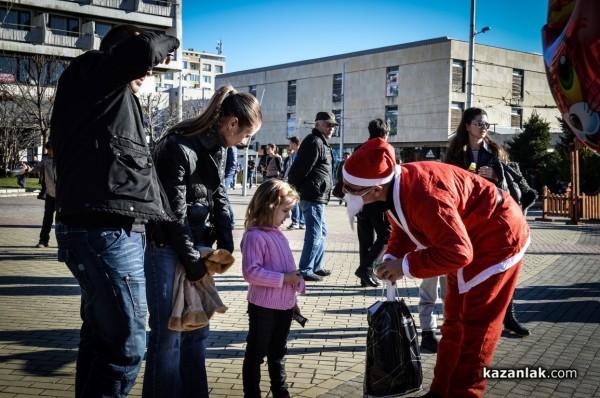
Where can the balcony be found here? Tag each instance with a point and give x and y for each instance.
(152, 7)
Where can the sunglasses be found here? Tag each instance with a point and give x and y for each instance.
(482, 124)
(351, 191)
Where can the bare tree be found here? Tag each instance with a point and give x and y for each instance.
(27, 91)
(36, 90)
(159, 114)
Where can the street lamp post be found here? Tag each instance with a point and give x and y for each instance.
(472, 34)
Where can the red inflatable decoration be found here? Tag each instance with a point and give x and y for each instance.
(571, 43)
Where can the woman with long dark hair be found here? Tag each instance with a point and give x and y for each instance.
(190, 161)
(472, 148)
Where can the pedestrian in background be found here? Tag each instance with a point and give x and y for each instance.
(274, 281)
(231, 165)
(312, 176)
(251, 171)
(274, 163)
(297, 216)
(472, 144)
(190, 160)
(372, 225)
(48, 176)
(106, 191)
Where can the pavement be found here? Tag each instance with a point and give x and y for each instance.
(557, 297)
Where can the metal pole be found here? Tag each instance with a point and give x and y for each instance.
(180, 98)
(471, 57)
(342, 113)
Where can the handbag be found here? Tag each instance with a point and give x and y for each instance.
(393, 360)
(337, 190)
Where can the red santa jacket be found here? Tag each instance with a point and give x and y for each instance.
(451, 220)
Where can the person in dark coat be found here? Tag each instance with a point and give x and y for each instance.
(106, 191)
(312, 176)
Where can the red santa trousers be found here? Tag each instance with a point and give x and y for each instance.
(471, 329)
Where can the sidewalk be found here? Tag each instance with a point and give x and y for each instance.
(557, 298)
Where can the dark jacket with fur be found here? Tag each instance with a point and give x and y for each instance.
(191, 170)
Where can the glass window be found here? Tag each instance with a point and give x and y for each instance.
(185, 64)
(338, 118)
(169, 76)
(291, 95)
(168, 86)
(456, 114)
(391, 118)
(458, 76)
(391, 83)
(252, 90)
(516, 117)
(103, 28)
(15, 19)
(337, 87)
(291, 125)
(207, 79)
(193, 66)
(206, 67)
(64, 26)
(218, 68)
(517, 84)
(8, 69)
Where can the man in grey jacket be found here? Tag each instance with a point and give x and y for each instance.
(312, 175)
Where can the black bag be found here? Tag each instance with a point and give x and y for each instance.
(337, 190)
(393, 364)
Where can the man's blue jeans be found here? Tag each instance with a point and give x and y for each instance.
(175, 362)
(108, 263)
(297, 216)
(311, 259)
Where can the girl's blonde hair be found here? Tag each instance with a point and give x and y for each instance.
(267, 198)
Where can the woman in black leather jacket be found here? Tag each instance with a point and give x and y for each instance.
(472, 144)
(190, 161)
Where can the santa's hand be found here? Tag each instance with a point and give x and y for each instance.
(390, 270)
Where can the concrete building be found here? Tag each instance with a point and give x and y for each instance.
(65, 29)
(419, 88)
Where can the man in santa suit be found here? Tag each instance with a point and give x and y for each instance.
(446, 221)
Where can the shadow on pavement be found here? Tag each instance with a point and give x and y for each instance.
(43, 362)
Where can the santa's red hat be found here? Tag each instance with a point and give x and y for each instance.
(374, 163)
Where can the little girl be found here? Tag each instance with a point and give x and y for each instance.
(269, 267)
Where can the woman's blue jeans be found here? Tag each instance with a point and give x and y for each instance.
(108, 263)
(175, 361)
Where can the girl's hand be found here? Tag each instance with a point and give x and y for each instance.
(292, 278)
(390, 270)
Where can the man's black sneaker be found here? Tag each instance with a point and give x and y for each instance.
(323, 272)
(312, 278)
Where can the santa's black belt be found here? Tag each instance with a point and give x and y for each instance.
(499, 199)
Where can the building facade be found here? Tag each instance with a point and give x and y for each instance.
(64, 29)
(419, 88)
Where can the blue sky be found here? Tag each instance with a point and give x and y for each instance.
(263, 33)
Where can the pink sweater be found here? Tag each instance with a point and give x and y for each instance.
(266, 257)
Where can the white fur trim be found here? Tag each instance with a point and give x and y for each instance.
(369, 182)
(502, 266)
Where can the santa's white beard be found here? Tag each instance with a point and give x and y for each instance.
(355, 205)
